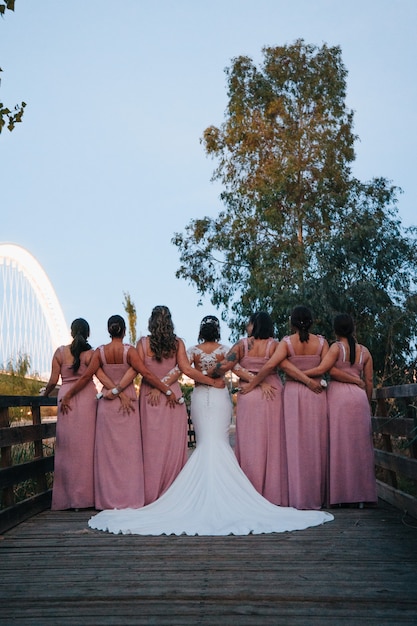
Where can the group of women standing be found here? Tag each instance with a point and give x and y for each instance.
(328, 450)
(142, 480)
(101, 434)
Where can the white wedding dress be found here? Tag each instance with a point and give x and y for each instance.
(211, 495)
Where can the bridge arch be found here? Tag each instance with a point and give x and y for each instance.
(31, 318)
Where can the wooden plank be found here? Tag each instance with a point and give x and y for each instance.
(23, 434)
(25, 471)
(36, 401)
(20, 512)
(403, 501)
(360, 568)
(396, 391)
(400, 464)
(398, 426)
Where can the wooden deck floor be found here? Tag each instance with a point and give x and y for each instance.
(361, 568)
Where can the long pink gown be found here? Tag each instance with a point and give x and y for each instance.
(164, 432)
(118, 462)
(352, 465)
(260, 433)
(306, 429)
(73, 486)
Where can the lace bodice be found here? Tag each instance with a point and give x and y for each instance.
(207, 360)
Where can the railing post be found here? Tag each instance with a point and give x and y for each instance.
(38, 449)
(390, 477)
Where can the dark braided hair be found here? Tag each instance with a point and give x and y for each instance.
(302, 319)
(162, 339)
(116, 326)
(209, 329)
(80, 331)
(263, 326)
(344, 327)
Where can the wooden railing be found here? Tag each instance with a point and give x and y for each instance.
(395, 438)
(36, 470)
(395, 428)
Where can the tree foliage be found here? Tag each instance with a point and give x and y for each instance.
(9, 117)
(297, 227)
(15, 380)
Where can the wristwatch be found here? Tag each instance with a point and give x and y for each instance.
(168, 392)
(115, 391)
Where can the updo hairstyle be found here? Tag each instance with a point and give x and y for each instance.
(116, 326)
(209, 329)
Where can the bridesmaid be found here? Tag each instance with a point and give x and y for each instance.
(73, 486)
(305, 411)
(260, 435)
(351, 465)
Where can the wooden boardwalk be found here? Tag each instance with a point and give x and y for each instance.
(361, 568)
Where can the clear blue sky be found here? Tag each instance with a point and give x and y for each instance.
(107, 163)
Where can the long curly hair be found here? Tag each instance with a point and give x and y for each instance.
(80, 331)
(162, 338)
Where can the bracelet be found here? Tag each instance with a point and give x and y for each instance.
(181, 400)
(99, 395)
(115, 391)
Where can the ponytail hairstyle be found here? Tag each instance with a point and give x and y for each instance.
(162, 339)
(209, 329)
(116, 326)
(343, 326)
(263, 326)
(80, 331)
(302, 319)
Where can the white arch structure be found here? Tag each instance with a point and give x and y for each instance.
(31, 318)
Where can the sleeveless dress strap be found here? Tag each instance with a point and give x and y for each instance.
(102, 355)
(245, 346)
(289, 344)
(321, 344)
(126, 347)
(342, 351)
(271, 342)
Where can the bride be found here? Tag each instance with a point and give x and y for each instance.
(211, 495)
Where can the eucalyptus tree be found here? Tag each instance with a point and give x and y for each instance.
(284, 154)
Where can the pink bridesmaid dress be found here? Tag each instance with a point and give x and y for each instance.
(260, 433)
(306, 430)
(352, 465)
(73, 486)
(118, 462)
(164, 432)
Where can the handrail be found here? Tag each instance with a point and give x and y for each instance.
(395, 440)
(35, 470)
